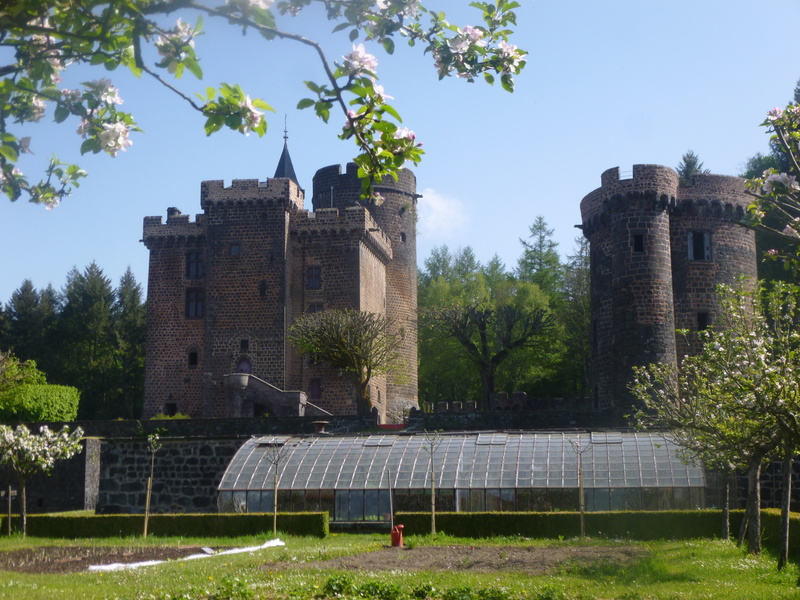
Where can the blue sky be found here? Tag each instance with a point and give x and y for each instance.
(607, 84)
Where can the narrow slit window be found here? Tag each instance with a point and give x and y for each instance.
(638, 242)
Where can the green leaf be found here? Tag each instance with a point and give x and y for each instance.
(354, 35)
(90, 145)
(508, 82)
(61, 113)
(489, 78)
(305, 103)
(390, 109)
(258, 103)
(194, 67)
(9, 153)
(388, 45)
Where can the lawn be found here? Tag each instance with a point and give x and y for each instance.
(360, 566)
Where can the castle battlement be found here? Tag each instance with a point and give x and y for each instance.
(178, 227)
(281, 191)
(353, 220)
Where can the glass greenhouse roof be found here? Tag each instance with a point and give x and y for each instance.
(461, 461)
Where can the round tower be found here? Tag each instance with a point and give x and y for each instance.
(396, 217)
(709, 248)
(628, 227)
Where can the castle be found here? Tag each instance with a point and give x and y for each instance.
(225, 288)
(658, 249)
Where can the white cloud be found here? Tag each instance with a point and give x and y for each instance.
(441, 216)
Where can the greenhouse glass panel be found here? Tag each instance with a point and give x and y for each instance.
(492, 500)
(633, 499)
(253, 502)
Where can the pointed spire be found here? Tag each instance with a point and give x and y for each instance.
(285, 167)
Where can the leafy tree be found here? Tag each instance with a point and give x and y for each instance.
(29, 454)
(540, 262)
(574, 314)
(775, 210)
(690, 165)
(490, 332)
(739, 400)
(49, 36)
(88, 340)
(31, 318)
(128, 322)
(359, 344)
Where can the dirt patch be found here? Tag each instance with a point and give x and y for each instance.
(73, 559)
(476, 559)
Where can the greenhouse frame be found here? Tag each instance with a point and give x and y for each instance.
(368, 477)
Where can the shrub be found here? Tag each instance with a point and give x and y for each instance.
(35, 402)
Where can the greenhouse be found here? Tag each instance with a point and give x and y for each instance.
(366, 478)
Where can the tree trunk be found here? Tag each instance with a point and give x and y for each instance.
(23, 506)
(487, 387)
(786, 501)
(754, 506)
(726, 507)
(363, 401)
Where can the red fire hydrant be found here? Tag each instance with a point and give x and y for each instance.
(397, 536)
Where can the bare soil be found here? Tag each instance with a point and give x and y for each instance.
(476, 559)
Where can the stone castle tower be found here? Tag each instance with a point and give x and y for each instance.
(658, 250)
(225, 288)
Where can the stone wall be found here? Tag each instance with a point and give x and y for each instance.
(185, 475)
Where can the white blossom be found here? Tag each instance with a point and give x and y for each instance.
(105, 91)
(114, 137)
(252, 116)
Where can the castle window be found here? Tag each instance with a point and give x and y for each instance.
(234, 249)
(194, 265)
(699, 245)
(262, 288)
(315, 389)
(195, 303)
(244, 366)
(638, 242)
(192, 359)
(244, 345)
(703, 320)
(171, 409)
(314, 277)
(402, 236)
(316, 307)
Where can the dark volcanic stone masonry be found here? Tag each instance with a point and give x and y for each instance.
(658, 250)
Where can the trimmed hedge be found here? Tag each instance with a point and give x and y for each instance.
(41, 402)
(190, 525)
(638, 525)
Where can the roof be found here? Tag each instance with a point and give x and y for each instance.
(285, 168)
(461, 461)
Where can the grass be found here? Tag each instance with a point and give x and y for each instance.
(701, 569)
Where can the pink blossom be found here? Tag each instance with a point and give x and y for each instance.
(252, 116)
(359, 60)
(775, 114)
(404, 133)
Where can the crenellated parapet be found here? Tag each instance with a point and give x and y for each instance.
(179, 229)
(273, 192)
(653, 185)
(353, 221)
(715, 196)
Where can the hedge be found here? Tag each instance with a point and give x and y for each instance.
(638, 525)
(40, 402)
(189, 525)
